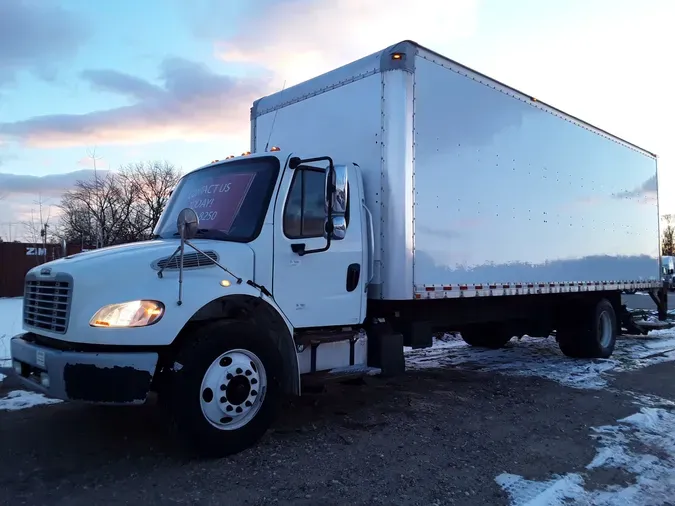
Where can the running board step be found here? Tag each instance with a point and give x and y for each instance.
(342, 373)
(314, 338)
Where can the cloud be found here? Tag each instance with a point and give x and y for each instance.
(36, 35)
(646, 191)
(189, 101)
(50, 185)
(192, 102)
(316, 36)
(22, 195)
(121, 84)
(93, 163)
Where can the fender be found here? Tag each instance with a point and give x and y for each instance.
(250, 305)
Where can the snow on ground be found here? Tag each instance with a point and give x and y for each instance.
(10, 325)
(22, 399)
(642, 444)
(542, 358)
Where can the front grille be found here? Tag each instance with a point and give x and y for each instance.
(46, 302)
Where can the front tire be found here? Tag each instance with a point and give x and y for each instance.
(225, 388)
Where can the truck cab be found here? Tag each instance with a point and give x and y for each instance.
(208, 313)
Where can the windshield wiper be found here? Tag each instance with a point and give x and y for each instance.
(206, 233)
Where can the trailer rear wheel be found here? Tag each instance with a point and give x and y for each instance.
(589, 333)
(225, 388)
(493, 336)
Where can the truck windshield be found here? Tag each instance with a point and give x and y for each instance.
(230, 198)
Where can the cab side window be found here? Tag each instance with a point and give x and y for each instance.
(304, 214)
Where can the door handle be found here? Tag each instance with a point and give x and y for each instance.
(353, 275)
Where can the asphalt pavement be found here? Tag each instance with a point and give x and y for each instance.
(474, 433)
(640, 301)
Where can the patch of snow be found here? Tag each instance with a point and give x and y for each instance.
(555, 492)
(541, 357)
(650, 400)
(10, 325)
(23, 399)
(2, 377)
(643, 445)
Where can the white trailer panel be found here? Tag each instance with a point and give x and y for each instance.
(475, 188)
(507, 191)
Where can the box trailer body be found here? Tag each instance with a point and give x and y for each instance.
(473, 184)
(397, 196)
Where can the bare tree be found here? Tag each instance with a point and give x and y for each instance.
(117, 207)
(37, 229)
(668, 236)
(151, 183)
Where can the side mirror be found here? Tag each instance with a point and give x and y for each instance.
(339, 228)
(64, 248)
(337, 182)
(671, 271)
(187, 224)
(340, 194)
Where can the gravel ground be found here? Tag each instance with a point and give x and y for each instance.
(437, 436)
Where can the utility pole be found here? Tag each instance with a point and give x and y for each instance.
(97, 225)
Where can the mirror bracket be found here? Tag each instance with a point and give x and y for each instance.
(188, 227)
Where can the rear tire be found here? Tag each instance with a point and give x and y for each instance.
(591, 333)
(492, 336)
(224, 390)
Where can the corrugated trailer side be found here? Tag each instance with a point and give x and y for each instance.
(510, 192)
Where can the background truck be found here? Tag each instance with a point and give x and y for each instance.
(397, 196)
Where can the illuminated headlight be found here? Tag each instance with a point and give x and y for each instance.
(136, 313)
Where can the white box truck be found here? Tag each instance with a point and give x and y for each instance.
(397, 196)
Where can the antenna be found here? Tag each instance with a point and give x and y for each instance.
(274, 120)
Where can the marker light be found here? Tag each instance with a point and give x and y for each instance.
(225, 283)
(246, 153)
(135, 313)
(275, 148)
(396, 56)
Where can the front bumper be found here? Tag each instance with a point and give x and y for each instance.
(106, 378)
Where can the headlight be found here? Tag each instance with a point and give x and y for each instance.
(136, 313)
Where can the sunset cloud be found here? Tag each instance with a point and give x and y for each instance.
(35, 36)
(317, 36)
(50, 185)
(23, 194)
(189, 102)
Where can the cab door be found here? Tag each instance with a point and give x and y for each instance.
(316, 289)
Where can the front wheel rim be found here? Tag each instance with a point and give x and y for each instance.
(233, 389)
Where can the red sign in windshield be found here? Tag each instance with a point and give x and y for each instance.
(218, 199)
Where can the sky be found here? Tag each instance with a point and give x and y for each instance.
(129, 81)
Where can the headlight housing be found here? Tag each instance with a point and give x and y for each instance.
(135, 313)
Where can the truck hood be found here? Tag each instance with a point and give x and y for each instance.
(118, 252)
(126, 261)
(129, 272)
